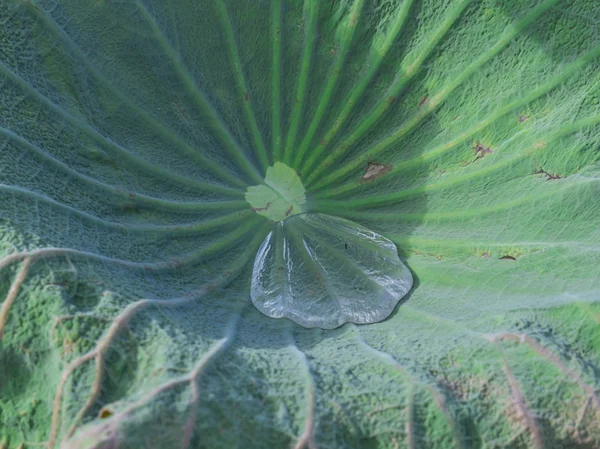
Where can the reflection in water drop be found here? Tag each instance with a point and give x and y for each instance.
(324, 271)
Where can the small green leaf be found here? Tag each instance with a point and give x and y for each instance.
(281, 196)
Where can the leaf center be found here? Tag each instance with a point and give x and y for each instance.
(281, 196)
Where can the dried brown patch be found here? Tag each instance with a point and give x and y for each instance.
(375, 170)
(549, 176)
(481, 151)
(105, 413)
(261, 209)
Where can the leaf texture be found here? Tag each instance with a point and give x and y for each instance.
(465, 132)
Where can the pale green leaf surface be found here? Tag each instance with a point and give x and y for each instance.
(281, 196)
(130, 132)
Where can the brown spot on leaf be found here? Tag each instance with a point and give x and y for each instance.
(323, 142)
(391, 100)
(246, 96)
(374, 171)
(132, 195)
(105, 413)
(549, 176)
(289, 211)
(481, 151)
(523, 118)
(261, 209)
(423, 100)
(333, 51)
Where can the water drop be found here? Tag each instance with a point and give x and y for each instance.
(324, 271)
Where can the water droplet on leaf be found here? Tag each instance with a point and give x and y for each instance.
(324, 271)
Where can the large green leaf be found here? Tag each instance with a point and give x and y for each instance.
(466, 132)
